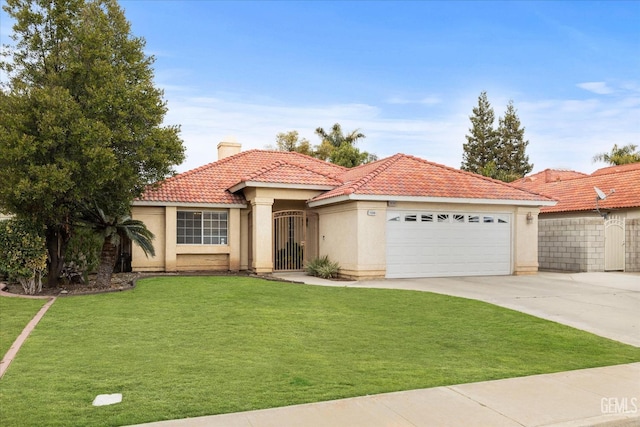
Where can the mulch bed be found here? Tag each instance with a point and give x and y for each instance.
(119, 282)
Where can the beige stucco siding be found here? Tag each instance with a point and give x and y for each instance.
(154, 218)
(354, 235)
(162, 222)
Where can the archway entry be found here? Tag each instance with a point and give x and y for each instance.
(289, 238)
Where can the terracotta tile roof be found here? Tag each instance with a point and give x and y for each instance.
(617, 169)
(209, 184)
(287, 173)
(403, 175)
(578, 194)
(538, 181)
(398, 175)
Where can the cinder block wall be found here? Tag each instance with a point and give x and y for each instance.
(575, 244)
(632, 245)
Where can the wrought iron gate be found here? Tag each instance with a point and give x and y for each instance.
(289, 237)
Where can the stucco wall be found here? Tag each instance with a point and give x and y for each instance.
(161, 221)
(154, 218)
(353, 234)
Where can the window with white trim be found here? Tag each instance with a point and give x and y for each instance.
(202, 227)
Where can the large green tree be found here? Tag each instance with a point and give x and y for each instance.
(291, 141)
(497, 153)
(619, 155)
(81, 119)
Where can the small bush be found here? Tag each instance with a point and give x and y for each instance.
(323, 267)
(82, 255)
(23, 254)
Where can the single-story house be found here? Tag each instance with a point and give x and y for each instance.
(401, 216)
(595, 226)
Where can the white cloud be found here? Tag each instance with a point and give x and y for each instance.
(428, 100)
(568, 133)
(563, 133)
(600, 88)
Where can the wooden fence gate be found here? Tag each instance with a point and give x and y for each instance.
(614, 248)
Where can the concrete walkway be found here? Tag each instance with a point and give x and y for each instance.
(603, 303)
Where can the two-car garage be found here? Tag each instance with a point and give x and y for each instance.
(436, 244)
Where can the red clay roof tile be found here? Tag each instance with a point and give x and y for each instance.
(398, 175)
(403, 175)
(577, 193)
(209, 184)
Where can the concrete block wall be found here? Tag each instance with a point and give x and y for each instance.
(572, 244)
(632, 245)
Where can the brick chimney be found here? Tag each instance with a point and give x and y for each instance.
(228, 147)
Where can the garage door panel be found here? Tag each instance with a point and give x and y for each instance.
(450, 244)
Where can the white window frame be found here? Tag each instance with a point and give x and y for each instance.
(213, 227)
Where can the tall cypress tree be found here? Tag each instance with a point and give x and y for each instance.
(496, 153)
(482, 142)
(512, 163)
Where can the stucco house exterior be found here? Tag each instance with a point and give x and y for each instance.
(401, 216)
(584, 232)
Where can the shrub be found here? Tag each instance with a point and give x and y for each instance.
(23, 254)
(323, 267)
(82, 255)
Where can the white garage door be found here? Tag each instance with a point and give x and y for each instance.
(437, 244)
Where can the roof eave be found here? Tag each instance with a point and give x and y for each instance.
(245, 184)
(423, 199)
(189, 204)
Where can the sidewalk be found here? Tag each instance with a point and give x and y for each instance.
(608, 396)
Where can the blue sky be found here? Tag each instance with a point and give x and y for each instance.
(407, 74)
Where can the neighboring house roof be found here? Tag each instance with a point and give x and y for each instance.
(399, 177)
(575, 191)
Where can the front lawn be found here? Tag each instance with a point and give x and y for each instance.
(180, 347)
(15, 313)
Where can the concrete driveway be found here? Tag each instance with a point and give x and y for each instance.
(606, 304)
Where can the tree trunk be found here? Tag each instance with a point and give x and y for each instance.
(108, 256)
(57, 240)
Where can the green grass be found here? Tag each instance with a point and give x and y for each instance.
(189, 346)
(15, 313)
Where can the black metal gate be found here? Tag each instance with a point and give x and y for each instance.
(289, 237)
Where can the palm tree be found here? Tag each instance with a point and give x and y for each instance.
(619, 155)
(336, 138)
(111, 228)
(340, 149)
